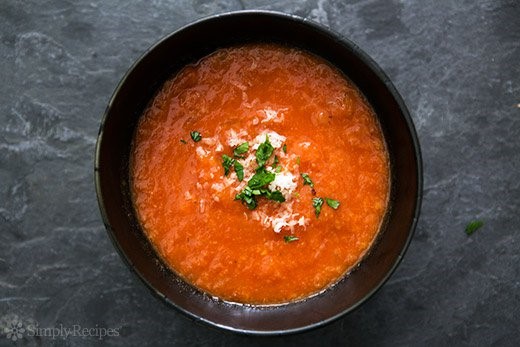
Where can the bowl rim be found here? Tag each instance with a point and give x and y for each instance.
(359, 53)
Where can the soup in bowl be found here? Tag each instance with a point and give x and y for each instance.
(263, 178)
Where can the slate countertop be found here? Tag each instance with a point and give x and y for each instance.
(457, 65)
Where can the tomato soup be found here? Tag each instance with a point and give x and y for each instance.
(260, 174)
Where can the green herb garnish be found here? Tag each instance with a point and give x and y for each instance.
(247, 198)
(298, 160)
(274, 195)
(290, 238)
(182, 140)
(307, 180)
(332, 203)
(317, 203)
(473, 226)
(284, 148)
(261, 178)
(264, 151)
(227, 163)
(257, 185)
(239, 169)
(241, 149)
(195, 136)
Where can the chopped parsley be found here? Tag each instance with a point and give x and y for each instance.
(307, 180)
(183, 141)
(195, 136)
(264, 151)
(239, 169)
(278, 169)
(275, 161)
(473, 226)
(257, 185)
(284, 148)
(241, 149)
(298, 160)
(317, 203)
(332, 203)
(261, 178)
(290, 238)
(227, 163)
(275, 195)
(247, 197)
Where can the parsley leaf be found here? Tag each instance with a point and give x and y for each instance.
(307, 180)
(332, 203)
(290, 238)
(317, 203)
(274, 195)
(195, 136)
(239, 169)
(247, 198)
(241, 149)
(473, 226)
(227, 162)
(182, 140)
(264, 151)
(261, 178)
(257, 185)
(298, 160)
(284, 148)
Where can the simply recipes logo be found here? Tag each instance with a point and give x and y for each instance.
(13, 328)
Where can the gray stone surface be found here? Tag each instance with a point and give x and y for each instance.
(457, 65)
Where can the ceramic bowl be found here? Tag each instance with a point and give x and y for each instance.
(188, 45)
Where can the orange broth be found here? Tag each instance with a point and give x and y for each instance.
(187, 206)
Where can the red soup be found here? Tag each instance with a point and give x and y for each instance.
(260, 174)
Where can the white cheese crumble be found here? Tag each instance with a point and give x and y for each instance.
(275, 139)
(217, 187)
(284, 182)
(285, 218)
(234, 139)
(201, 152)
(271, 115)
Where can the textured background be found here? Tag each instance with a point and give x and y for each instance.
(457, 65)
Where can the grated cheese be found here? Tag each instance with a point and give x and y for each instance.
(276, 139)
(285, 218)
(201, 152)
(284, 182)
(234, 139)
(218, 187)
(271, 115)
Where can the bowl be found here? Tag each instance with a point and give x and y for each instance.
(188, 45)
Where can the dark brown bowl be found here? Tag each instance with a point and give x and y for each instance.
(188, 45)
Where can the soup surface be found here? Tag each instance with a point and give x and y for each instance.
(260, 174)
